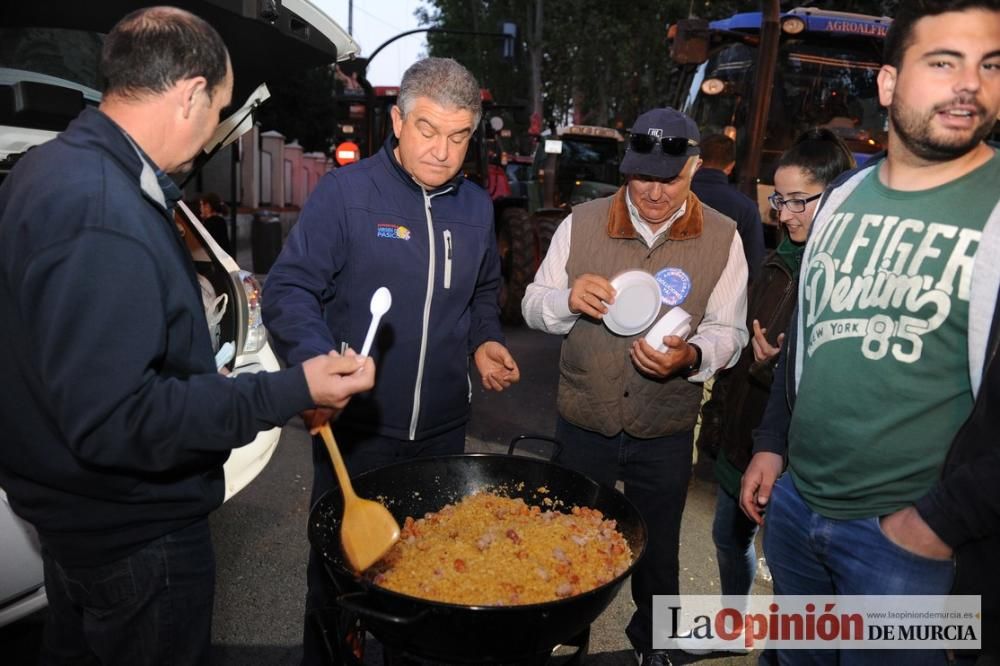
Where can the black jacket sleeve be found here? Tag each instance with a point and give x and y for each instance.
(304, 277)
(772, 433)
(752, 234)
(485, 308)
(95, 308)
(965, 504)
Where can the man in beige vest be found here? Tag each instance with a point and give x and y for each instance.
(627, 410)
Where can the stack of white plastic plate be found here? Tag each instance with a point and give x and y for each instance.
(676, 322)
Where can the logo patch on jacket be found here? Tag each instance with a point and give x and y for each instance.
(386, 230)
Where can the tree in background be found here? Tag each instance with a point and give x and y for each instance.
(506, 81)
(593, 61)
(582, 61)
(599, 61)
(607, 62)
(302, 107)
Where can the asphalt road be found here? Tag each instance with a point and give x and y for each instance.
(260, 536)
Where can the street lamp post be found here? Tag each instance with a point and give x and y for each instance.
(509, 34)
(767, 55)
(503, 35)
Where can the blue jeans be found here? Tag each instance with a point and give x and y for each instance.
(362, 452)
(655, 473)
(733, 534)
(810, 554)
(152, 607)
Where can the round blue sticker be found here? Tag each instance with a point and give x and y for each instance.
(675, 285)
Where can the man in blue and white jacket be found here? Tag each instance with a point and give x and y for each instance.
(406, 220)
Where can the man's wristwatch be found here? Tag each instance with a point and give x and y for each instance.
(693, 369)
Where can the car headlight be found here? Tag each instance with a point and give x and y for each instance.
(256, 333)
(793, 25)
(713, 87)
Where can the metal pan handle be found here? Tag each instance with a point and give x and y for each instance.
(556, 444)
(352, 602)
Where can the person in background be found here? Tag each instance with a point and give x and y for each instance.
(809, 165)
(497, 184)
(116, 422)
(406, 219)
(891, 439)
(711, 185)
(627, 410)
(212, 212)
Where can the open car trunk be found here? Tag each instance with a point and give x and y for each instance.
(266, 38)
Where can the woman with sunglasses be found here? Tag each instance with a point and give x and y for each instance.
(803, 172)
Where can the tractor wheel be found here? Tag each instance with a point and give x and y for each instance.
(545, 223)
(516, 244)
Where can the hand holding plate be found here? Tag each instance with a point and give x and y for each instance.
(636, 305)
(677, 358)
(591, 294)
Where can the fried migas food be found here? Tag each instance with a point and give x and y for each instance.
(496, 551)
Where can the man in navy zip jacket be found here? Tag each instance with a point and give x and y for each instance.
(942, 86)
(711, 184)
(406, 220)
(116, 423)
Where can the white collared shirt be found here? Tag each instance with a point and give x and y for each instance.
(646, 232)
(722, 333)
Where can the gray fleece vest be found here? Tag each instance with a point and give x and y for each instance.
(599, 388)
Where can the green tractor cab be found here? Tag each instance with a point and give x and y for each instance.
(580, 163)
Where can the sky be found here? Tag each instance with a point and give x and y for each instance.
(374, 23)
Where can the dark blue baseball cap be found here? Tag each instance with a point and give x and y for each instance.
(660, 143)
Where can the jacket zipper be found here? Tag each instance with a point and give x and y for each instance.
(415, 416)
(447, 258)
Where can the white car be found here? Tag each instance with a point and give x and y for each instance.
(37, 101)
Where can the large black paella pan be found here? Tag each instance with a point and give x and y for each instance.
(470, 634)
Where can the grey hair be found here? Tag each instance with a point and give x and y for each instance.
(444, 81)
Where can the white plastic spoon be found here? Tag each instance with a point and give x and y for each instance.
(381, 302)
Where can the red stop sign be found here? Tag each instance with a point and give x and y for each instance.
(347, 152)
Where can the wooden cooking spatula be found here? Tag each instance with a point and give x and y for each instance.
(368, 530)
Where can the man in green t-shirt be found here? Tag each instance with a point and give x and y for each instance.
(891, 355)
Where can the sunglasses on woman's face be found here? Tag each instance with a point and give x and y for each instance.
(669, 145)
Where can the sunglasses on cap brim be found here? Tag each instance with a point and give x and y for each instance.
(669, 145)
